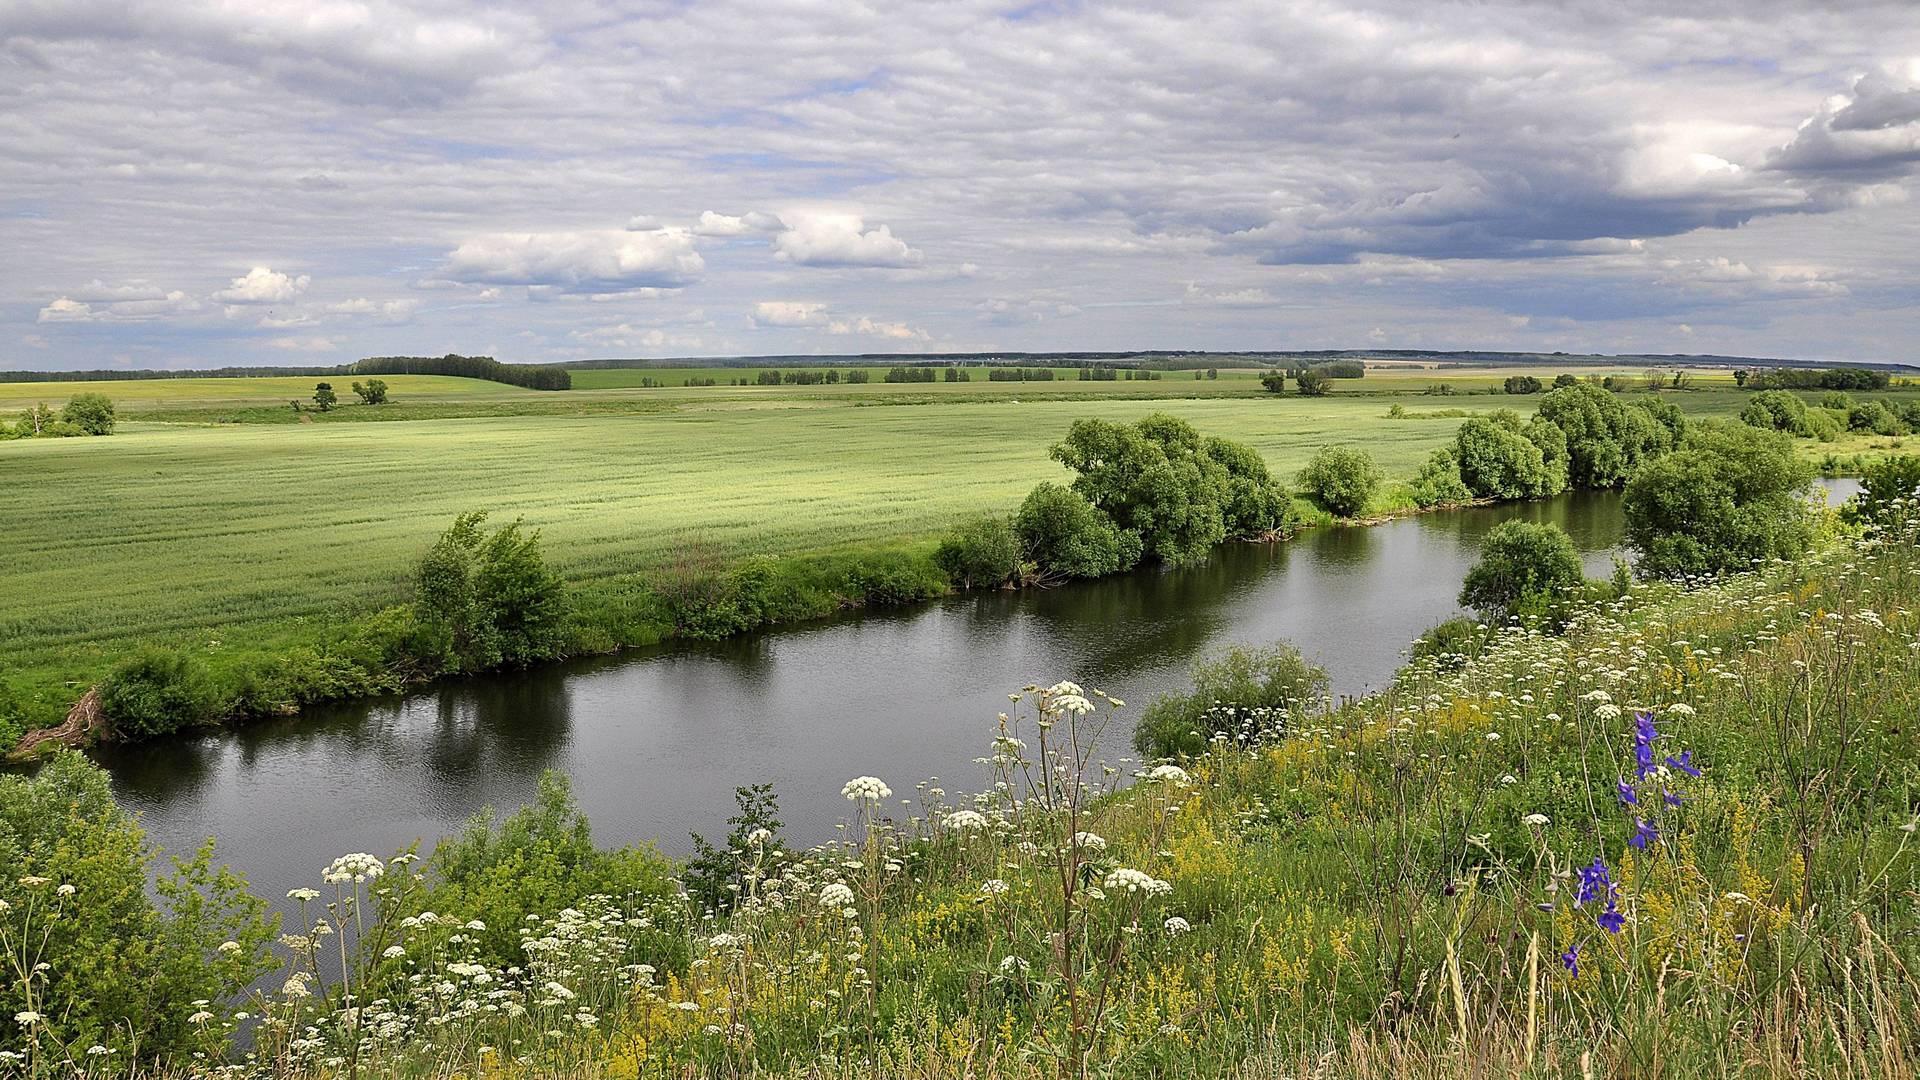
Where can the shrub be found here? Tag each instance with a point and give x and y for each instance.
(1521, 564)
(1158, 479)
(371, 392)
(1341, 479)
(128, 960)
(537, 861)
(1252, 504)
(1836, 400)
(1312, 383)
(91, 413)
(983, 552)
(714, 876)
(1885, 487)
(1245, 693)
(1438, 482)
(157, 692)
(1522, 384)
(324, 397)
(1274, 381)
(1730, 496)
(486, 599)
(1501, 458)
(1778, 410)
(1607, 439)
(1062, 534)
(1565, 379)
(1451, 644)
(1875, 418)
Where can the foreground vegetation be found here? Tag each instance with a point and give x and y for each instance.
(1674, 838)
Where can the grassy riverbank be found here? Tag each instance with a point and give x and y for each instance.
(1676, 841)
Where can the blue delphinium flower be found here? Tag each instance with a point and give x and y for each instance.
(1644, 733)
(1644, 833)
(1611, 920)
(1571, 959)
(1595, 882)
(1670, 798)
(1684, 763)
(1628, 796)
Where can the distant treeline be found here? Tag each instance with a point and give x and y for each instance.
(546, 377)
(543, 377)
(1848, 378)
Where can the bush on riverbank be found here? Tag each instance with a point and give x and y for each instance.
(158, 693)
(982, 553)
(1524, 569)
(1341, 479)
(1245, 695)
(1729, 498)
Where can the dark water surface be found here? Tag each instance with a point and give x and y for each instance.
(656, 741)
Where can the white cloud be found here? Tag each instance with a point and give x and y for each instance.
(831, 238)
(587, 262)
(140, 306)
(789, 313)
(869, 327)
(262, 285)
(303, 344)
(385, 311)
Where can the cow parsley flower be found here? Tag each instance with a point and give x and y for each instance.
(866, 789)
(357, 868)
(993, 887)
(1125, 879)
(836, 895)
(962, 820)
(1089, 841)
(1176, 926)
(1169, 774)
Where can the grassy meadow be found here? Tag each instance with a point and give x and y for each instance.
(218, 519)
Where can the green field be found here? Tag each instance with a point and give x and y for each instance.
(222, 536)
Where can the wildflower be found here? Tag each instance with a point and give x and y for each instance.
(1644, 833)
(1684, 763)
(1089, 841)
(1670, 798)
(1010, 965)
(1571, 960)
(1169, 774)
(356, 868)
(1626, 794)
(1594, 883)
(64, 890)
(1175, 926)
(1606, 712)
(1644, 734)
(1680, 708)
(759, 837)
(394, 952)
(962, 820)
(1493, 736)
(1611, 920)
(296, 985)
(993, 887)
(200, 1017)
(1536, 820)
(302, 894)
(34, 881)
(836, 895)
(1124, 879)
(27, 1018)
(866, 789)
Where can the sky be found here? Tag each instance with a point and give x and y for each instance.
(196, 183)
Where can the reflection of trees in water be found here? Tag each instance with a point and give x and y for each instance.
(1138, 621)
(1591, 518)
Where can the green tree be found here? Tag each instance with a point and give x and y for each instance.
(716, 877)
(1153, 478)
(1730, 496)
(324, 397)
(1252, 502)
(1275, 382)
(486, 599)
(1522, 384)
(1521, 565)
(1312, 382)
(91, 413)
(158, 692)
(1438, 482)
(1606, 439)
(1064, 535)
(1502, 457)
(1565, 379)
(128, 960)
(1341, 479)
(371, 392)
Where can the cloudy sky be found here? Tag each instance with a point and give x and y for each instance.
(196, 182)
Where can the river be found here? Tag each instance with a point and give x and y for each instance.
(655, 741)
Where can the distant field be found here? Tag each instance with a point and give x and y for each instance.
(141, 394)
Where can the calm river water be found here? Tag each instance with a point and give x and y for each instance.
(656, 741)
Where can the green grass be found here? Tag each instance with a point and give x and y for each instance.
(136, 396)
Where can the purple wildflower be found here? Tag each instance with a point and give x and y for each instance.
(1684, 763)
(1628, 796)
(1611, 920)
(1571, 959)
(1644, 733)
(1644, 833)
(1594, 883)
(1671, 798)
